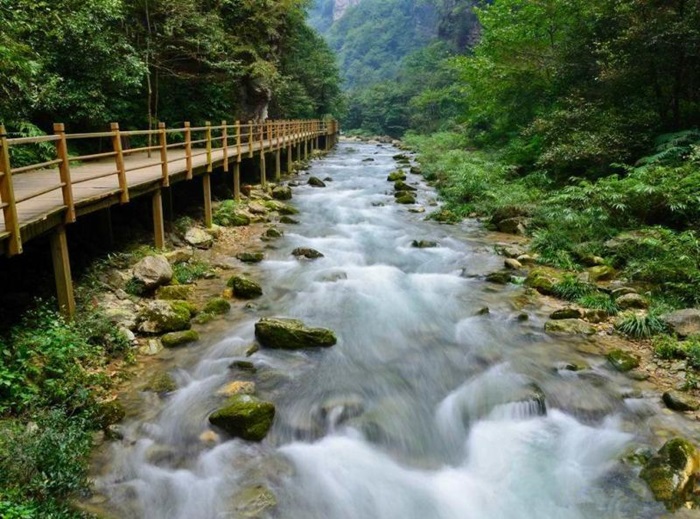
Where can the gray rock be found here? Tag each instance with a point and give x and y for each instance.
(566, 313)
(153, 271)
(680, 401)
(199, 238)
(316, 182)
(179, 256)
(683, 322)
(629, 301)
(569, 327)
(306, 252)
(282, 193)
(512, 264)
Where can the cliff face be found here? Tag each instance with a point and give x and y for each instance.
(340, 6)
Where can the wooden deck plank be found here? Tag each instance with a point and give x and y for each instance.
(92, 191)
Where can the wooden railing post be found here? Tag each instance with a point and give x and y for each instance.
(208, 137)
(64, 171)
(163, 141)
(224, 144)
(250, 139)
(7, 197)
(278, 156)
(188, 150)
(263, 165)
(119, 160)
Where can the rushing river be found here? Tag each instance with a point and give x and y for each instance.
(427, 408)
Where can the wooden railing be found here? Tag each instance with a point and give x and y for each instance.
(195, 141)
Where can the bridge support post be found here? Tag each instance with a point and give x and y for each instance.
(289, 159)
(278, 165)
(263, 170)
(61, 270)
(237, 180)
(206, 184)
(158, 220)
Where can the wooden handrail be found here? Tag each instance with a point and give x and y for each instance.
(221, 144)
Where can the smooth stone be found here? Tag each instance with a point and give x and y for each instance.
(160, 316)
(316, 182)
(512, 264)
(569, 327)
(305, 252)
(622, 361)
(282, 193)
(683, 322)
(250, 257)
(173, 339)
(244, 416)
(217, 306)
(152, 272)
(423, 244)
(629, 301)
(199, 238)
(237, 387)
(678, 401)
(566, 313)
(291, 334)
(244, 288)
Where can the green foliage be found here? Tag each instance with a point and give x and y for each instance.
(43, 462)
(640, 326)
(191, 271)
(692, 349)
(668, 348)
(30, 153)
(571, 288)
(598, 301)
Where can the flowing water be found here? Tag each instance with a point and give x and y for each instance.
(427, 408)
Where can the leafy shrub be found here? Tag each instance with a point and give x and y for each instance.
(571, 288)
(640, 326)
(667, 347)
(598, 301)
(692, 349)
(189, 272)
(27, 154)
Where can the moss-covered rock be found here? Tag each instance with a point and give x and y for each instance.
(600, 273)
(162, 382)
(286, 209)
(678, 401)
(160, 316)
(423, 244)
(499, 278)
(250, 257)
(203, 318)
(229, 215)
(291, 334)
(396, 176)
(444, 216)
(217, 306)
(569, 327)
(316, 182)
(543, 280)
(566, 313)
(175, 292)
(173, 339)
(405, 198)
(244, 288)
(282, 193)
(288, 220)
(631, 301)
(403, 186)
(672, 473)
(272, 233)
(109, 413)
(306, 252)
(622, 361)
(245, 416)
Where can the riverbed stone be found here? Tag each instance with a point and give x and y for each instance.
(250, 256)
(566, 313)
(515, 225)
(543, 280)
(400, 185)
(512, 264)
(199, 238)
(423, 244)
(631, 301)
(229, 215)
(683, 322)
(152, 272)
(162, 382)
(502, 277)
(289, 220)
(282, 193)
(569, 327)
(622, 361)
(245, 416)
(672, 473)
(306, 252)
(291, 334)
(244, 288)
(217, 306)
(509, 251)
(405, 198)
(160, 316)
(272, 233)
(600, 273)
(677, 401)
(237, 387)
(316, 182)
(256, 208)
(254, 502)
(396, 176)
(174, 339)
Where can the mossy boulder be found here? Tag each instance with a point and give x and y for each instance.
(162, 382)
(272, 234)
(444, 216)
(631, 301)
(108, 413)
(250, 257)
(316, 182)
(402, 186)
(159, 317)
(289, 221)
(499, 278)
(683, 322)
(217, 306)
(175, 292)
(622, 361)
(245, 416)
(174, 339)
(566, 313)
(600, 273)
(405, 198)
(285, 209)
(569, 327)
(244, 288)
(291, 334)
(543, 280)
(672, 473)
(396, 176)
(678, 401)
(282, 193)
(306, 252)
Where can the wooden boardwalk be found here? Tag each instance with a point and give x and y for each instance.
(42, 198)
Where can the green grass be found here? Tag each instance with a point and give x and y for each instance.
(640, 326)
(571, 288)
(598, 301)
(191, 271)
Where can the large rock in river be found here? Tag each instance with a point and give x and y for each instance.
(245, 416)
(244, 288)
(291, 334)
(164, 316)
(672, 473)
